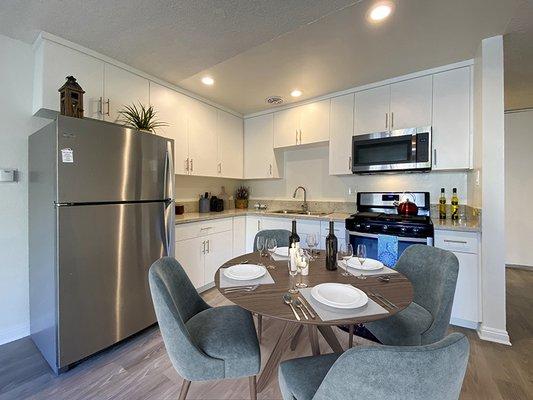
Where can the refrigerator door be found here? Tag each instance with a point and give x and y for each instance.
(104, 162)
(104, 254)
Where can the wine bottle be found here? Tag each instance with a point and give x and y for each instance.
(442, 204)
(331, 248)
(294, 238)
(455, 205)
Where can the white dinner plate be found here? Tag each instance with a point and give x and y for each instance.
(282, 251)
(339, 295)
(245, 272)
(369, 264)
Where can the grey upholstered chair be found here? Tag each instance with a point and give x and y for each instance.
(282, 240)
(203, 343)
(433, 273)
(435, 371)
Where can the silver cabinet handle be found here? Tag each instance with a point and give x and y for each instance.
(350, 163)
(203, 247)
(296, 131)
(187, 164)
(108, 102)
(392, 120)
(386, 120)
(300, 136)
(101, 106)
(208, 246)
(435, 157)
(219, 168)
(455, 241)
(258, 225)
(270, 170)
(192, 167)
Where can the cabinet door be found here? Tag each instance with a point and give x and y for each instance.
(53, 63)
(466, 300)
(314, 122)
(276, 223)
(341, 133)
(258, 151)
(190, 255)
(122, 88)
(286, 125)
(410, 104)
(202, 133)
(219, 249)
(253, 225)
(371, 114)
(171, 107)
(239, 236)
(230, 145)
(452, 119)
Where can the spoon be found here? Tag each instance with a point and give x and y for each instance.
(287, 299)
(298, 304)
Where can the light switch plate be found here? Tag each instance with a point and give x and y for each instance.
(8, 175)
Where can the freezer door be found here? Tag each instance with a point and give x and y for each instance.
(105, 252)
(103, 162)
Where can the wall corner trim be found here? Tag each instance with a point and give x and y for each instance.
(494, 335)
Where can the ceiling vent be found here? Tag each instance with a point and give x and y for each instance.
(274, 100)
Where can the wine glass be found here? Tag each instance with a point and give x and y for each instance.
(260, 243)
(346, 252)
(312, 241)
(361, 256)
(305, 257)
(271, 245)
(292, 273)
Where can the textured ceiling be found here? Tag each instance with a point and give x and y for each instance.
(169, 39)
(518, 49)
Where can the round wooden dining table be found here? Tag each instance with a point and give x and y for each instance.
(267, 301)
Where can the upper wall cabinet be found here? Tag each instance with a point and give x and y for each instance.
(230, 145)
(341, 132)
(302, 125)
(172, 108)
(372, 113)
(452, 119)
(52, 64)
(122, 88)
(259, 158)
(203, 148)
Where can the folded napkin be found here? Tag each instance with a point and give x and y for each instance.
(327, 313)
(277, 257)
(388, 250)
(226, 282)
(355, 271)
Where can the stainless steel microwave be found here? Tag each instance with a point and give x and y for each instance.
(398, 150)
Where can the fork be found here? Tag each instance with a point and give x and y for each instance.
(383, 299)
(241, 289)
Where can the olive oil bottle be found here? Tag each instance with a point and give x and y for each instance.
(455, 205)
(442, 204)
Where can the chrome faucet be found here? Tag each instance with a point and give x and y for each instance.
(305, 206)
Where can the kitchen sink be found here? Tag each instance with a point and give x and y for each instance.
(300, 212)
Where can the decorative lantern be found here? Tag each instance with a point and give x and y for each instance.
(71, 98)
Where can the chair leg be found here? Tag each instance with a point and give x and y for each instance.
(184, 389)
(253, 387)
(259, 327)
(350, 337)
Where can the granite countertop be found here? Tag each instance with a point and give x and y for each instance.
(472, 224)
(196, 217)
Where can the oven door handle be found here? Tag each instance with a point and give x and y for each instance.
(400, 238)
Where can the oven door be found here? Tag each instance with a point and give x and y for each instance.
(370, 240)
(400, 150)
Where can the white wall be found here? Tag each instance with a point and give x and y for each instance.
(309, 167)
(519, 187)
(17, 123)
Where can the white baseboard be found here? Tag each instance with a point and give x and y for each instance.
(464, 323)
(13, 333)
(493, 335)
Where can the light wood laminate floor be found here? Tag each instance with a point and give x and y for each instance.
(140, 369)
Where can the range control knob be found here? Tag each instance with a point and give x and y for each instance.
(367, 227)
(403, 229)
(385, 228)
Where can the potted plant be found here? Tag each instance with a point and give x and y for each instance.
(142, 118)
(241, 197)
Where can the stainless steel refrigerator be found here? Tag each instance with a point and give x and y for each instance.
(101, 211)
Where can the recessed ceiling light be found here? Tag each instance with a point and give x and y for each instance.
(380, 11)
(207, 80)
(296, 93)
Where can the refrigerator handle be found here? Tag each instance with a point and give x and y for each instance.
(169, 194)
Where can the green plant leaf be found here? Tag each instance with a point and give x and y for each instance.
(142, 118)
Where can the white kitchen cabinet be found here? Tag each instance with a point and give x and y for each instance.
(253, 225)
(260, 161)
(276, 223)
(302, 125)
(189, 253)
(203, 148)
(372, 111)
(218, 250)
(466, 302)
(52, 64)
(171, 108)
(341, 133)
(410, 103)
(230, 145)
(239, 236)
(452, 120)
(286, 127)
(122, 88)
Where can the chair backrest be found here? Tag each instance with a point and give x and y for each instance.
(433, 273)
(176, 301)
(281, 236)
(435, 371)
